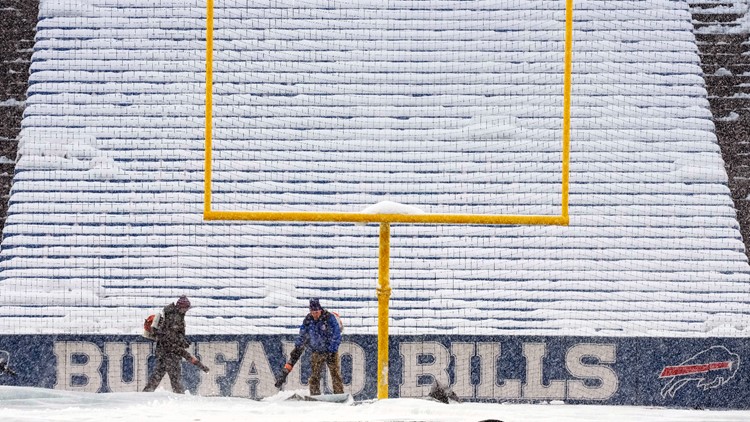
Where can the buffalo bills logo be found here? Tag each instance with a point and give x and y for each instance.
(710, 368)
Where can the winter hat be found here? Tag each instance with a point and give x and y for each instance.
(183, 302)
(315, 305)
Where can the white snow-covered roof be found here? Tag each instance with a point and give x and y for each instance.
(437, 106)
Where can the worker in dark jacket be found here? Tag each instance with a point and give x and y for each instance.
(320, 330)
(171, 345)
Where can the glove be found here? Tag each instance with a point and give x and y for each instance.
(4, 368)
(200, 365)
(281, 379)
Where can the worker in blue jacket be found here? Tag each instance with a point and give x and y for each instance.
(321, 331)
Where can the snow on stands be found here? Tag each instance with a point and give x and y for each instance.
(438, 106)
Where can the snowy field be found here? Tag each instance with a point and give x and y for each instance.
(35, 404)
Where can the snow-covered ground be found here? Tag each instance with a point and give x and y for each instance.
(33, 404)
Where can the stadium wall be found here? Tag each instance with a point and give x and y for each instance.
(675, 372)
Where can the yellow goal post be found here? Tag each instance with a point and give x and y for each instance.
(383, 289)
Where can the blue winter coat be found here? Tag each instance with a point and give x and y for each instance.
(323, 335)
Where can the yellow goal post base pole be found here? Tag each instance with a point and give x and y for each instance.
(384, 297)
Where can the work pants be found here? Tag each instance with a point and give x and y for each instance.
(318, 362)
(170, 364)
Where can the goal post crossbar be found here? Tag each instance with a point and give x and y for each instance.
(352, 217)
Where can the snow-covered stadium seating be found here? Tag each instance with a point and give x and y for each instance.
(105, 222)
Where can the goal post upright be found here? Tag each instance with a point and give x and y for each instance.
(383, 289)
(208, 144)
(567, 94)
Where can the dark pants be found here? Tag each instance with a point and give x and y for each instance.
(170, 364)
(320, 360)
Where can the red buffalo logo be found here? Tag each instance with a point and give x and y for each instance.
(710, 368)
